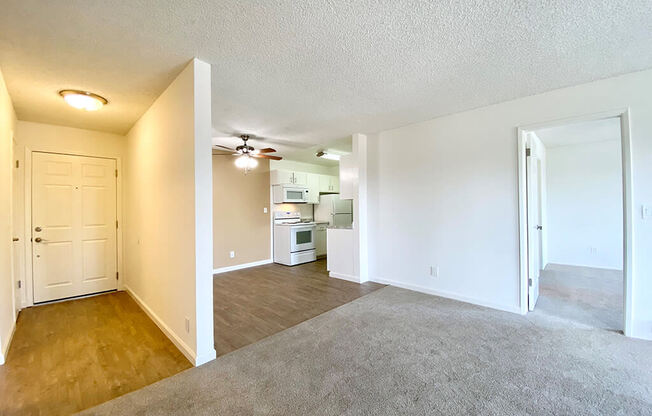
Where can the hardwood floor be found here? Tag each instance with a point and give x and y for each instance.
(72, 355)
(252, 304)
(69, 356)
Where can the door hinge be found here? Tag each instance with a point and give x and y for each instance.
(17, 164)
(20, 284)
(528, 152)
(116, 173)
(117, 274)
(530, 282)
(116, 224)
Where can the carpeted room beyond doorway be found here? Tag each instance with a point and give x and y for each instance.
(400, 352)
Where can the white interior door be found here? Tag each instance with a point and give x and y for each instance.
(533, 230)
(73, 225)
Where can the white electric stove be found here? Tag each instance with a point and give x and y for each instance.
(294, 241)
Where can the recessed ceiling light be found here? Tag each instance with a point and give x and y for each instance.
(83, 100)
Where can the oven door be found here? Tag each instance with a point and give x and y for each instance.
(295, 195)
(302, 238)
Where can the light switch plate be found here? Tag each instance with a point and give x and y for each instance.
(646, 212)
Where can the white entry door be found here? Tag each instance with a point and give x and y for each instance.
(533, 230)
(73, 225)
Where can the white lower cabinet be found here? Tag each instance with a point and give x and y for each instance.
(320, 239)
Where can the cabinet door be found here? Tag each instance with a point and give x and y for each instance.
(301, 178)
(281, 177)
(320, 241)
(313, 188)
(324, 183)
(335, 183)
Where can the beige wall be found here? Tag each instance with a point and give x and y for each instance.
(7, 310)
(42, 137)
(239, 223)
(169, 212)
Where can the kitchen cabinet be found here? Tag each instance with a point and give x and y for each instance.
(320, 239)
(328, 183)
(285, 177)
(313, 188)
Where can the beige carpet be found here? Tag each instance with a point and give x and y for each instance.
(396, 352)
(584, 295)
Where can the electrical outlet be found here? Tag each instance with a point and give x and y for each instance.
(593, 250)
(187, 325)
(434, 271)
(265, 210)
(232, 254)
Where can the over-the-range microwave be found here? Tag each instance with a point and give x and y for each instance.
(290, 194)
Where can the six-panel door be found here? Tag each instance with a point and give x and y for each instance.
(73, 225)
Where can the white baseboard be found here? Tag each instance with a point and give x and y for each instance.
(176, 340)
(204, 358)
(241, 266)
(350, 278)
(449, 295)
(5, 349)
(642, 330)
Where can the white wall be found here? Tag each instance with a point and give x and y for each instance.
(454, 201)
(303, 167)
(169, 212)
(585, 207)
(7, 310)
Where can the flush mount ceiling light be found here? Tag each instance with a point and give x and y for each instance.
(83, 100)
(329, 156)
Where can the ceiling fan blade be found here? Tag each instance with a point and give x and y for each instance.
(224, 147)
(268, 157)
(267, 150)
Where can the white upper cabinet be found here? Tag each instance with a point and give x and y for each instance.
(329, 184)
(281, 177)
(300, 178)
(315, 183)
(313, 188)
(286, 177)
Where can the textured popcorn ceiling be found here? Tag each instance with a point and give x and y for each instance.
(312, 71)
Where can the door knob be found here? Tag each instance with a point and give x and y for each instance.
(15, 239)
(38, 229)
(38, 239)
(539, 227)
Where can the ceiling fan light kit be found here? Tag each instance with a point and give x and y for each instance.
(247, 155)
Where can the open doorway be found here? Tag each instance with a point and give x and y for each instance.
(574, 234)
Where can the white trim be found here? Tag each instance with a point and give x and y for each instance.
(204, 358)
(350, 278)
(5, 350)
(628, 206)
(27, 182)
(449, 295)
(182, 346)
(27, 218)
(241, 266)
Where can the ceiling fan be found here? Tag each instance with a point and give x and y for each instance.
(247, 154)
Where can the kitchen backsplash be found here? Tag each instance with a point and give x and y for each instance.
(306, 210)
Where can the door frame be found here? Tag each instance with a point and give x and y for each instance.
(628, 206)
(29, 274)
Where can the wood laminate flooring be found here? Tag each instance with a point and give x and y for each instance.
(72, 355)
(254, 303)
